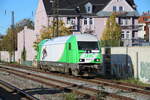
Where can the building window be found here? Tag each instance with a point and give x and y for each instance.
(114, 8)
(126, 21)
(85, 21)
(121, 21)
(128, 32)
(91, 21)
(68, 20)
(145, 19)
(88, 9)
(133, 35)
(122, 36)
(127, 36)
(120, 8)
(71, 20)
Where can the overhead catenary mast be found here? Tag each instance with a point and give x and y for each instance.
(55, 6)
(13, 36)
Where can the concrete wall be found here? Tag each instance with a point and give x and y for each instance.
(4, 56)
(131, 61)
(26, 38)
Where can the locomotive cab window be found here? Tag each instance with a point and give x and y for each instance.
(69, 46)
(83, 45)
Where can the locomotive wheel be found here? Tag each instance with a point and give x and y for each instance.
(70, 71)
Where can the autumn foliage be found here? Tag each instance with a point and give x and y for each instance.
(112, 32)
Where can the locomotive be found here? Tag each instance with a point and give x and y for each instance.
(77, 54)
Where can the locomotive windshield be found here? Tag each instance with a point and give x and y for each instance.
(87, 45)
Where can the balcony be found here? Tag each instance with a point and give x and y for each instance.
(130, 27)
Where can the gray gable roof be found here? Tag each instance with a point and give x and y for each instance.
(66, 6)
(69, 7)
(131, 3)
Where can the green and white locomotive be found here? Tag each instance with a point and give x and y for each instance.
(77, 54)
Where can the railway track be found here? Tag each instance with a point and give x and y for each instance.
(14, 91)
(131, 90)
(79, 89)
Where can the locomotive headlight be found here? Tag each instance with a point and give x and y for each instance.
(96, 60)
(82, 60)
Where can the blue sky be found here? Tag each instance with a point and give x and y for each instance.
(24, 8)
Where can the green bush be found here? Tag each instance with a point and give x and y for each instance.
(134, 81)
(70, 96)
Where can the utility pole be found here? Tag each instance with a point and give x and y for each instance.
(13, 36)
(55, 6)
(57, 19)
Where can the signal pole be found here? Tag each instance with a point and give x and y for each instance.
(13, 36)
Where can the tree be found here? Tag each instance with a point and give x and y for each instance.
(112, 32)
(47, 32)
(11, 34)
(9, 41)
(25, 22)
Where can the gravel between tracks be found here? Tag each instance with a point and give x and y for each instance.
(134, 95)
(38, 90)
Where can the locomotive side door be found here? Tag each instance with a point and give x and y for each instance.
(69, 53)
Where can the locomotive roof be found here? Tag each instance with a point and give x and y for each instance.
(85, 37)
(63, 39)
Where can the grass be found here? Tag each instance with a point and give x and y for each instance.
(70, 96)
(135, 82)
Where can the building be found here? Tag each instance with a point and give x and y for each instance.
(26, 39)
(144, 26)
(90, 16)
(86, 16)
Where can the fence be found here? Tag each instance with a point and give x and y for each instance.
(130, 62)
(124, 42)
